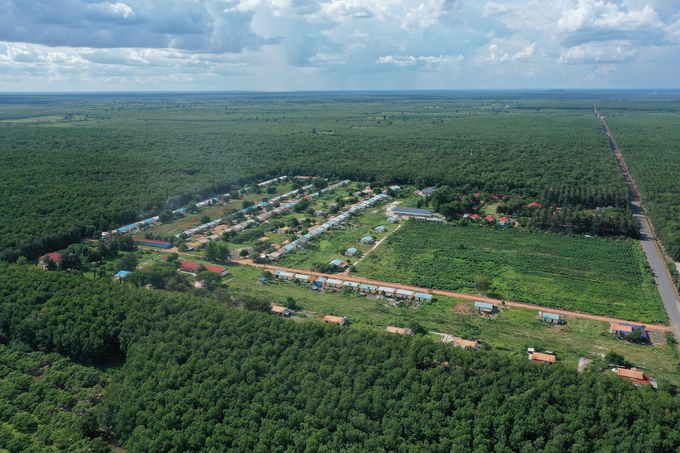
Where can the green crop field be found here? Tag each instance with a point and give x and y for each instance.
(592, 275)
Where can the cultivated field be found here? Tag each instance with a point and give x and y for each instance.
(599, 276)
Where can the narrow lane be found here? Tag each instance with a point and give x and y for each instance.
(662, 277)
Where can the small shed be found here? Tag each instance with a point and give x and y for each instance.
(635, 375)
(367, 240)
(422, 297)
(549, 317)
(334, 319)
(370, 289)
(387, 290)
(538, 357)
(339, 263)
(284, 275)
(353, 285)
(399, 330)
(281, 311)
(466, 344)
(121, 275)
(333, 283)
(404, 294)
(485, 308)
(392, 220)
(351, 251)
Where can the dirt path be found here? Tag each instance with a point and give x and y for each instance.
(373, 248)
(656, 327)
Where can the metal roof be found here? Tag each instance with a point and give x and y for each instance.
(550, 315)
(412, 211)
(543, 357)
(423, 296)
(484, 305)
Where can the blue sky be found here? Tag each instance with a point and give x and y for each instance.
(294, 45)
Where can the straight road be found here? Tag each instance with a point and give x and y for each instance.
(656, 327)
(662, 277)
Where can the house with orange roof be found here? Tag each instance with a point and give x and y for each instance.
(634, 375)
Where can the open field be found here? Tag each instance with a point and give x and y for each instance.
(592, 275)
(513, 330)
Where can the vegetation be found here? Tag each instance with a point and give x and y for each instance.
(47, 403)
(199, 375)
(648, 143)
(136, 157)
(592, 275)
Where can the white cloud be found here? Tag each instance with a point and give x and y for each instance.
(426, 14)
(111, 10)
(496, 55)
(411, 60)
(494, 9)
(598, 53)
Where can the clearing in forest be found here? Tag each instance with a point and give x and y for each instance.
(592, 275)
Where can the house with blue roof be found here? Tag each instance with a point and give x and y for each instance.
(550, 317)
(367, 240)
(122, 274)
(381, 229)
(351, 251)
(420, 297)
(485, 308)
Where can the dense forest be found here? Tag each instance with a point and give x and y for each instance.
(200, 375)
(69, 164)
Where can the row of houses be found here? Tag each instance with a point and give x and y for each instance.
(266, 183)
(324, 282)
(330, 224)
(137, 225)
(243, 225)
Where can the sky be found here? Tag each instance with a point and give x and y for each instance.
(323, 45)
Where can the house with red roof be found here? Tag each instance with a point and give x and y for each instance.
(505, 219)
(478, 194)
(56, 257)
(188, 266)
(490, 217)
(475, 216)
(535, 205)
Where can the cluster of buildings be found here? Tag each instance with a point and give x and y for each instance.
(328, 225)
(139, 225)
(324, 282)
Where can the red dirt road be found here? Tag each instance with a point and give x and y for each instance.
(656, 327)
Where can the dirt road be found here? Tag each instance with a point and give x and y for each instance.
(657, 327)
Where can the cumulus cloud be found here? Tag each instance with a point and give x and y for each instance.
(496, 55)
(599, 53)
(411, 60)
(494, 9)
(185, 25)
(596, 20)
(427, 14)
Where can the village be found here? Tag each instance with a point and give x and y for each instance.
(195, 239)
